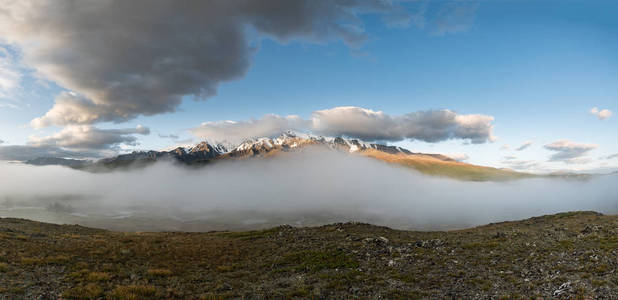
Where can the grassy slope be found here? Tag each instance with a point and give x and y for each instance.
(453, 169)
(523, 259)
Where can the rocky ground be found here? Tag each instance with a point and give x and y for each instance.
(569, 255)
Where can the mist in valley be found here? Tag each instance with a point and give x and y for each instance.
(308, 188)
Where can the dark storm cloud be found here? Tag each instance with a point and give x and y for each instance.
(122, 59)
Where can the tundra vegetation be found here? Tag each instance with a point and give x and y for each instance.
(567, 255)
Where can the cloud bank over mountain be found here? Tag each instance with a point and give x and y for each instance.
(27, 152)
(360, 123)
(75, 141)
(307, 188)
(238, 131)
(88, 137)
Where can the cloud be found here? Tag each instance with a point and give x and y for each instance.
(522, 165)
(455, 17)
(235, 132)
(360, 123)
(601, 114)
(505, 147)
(88, 137)
(122, 59)
(578, 161)
(10, 77)
(26, 152)
(525, 145)
(1, 142)
(169, 136)
(519, 164)
(264, 193)
(458, 156)
(8, 105)
(71, 108)
(75, 141)
(429, 126)
(611, 156)
(568, 151)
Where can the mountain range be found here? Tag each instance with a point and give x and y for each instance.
(207, 153)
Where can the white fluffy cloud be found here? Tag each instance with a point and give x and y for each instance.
(88, 137)
(601, 114)
(235, 132)
(429, 126)
(360, 123)
(525, 145)
(569, 152)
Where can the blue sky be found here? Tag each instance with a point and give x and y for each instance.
(537, 67)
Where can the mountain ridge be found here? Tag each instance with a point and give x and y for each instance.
(207, 152)
(264, 145)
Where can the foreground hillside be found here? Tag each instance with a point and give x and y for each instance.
(570, 255)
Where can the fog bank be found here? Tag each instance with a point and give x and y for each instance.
(309, 188)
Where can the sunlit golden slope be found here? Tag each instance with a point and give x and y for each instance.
(442, 166)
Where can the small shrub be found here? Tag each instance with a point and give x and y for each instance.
(4, 267)
(89, 291)
(225, 268)
(159, 272)
(319, 260)
(98, 276)
(57, 260)
(31, 261)
(132, 292)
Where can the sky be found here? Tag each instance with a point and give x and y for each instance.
(527, 85)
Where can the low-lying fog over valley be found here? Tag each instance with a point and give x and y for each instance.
(311, 187)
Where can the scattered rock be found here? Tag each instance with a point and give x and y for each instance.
(564, 288)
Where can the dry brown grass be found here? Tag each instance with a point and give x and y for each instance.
(98, 276)
(133, 292)
(431, 165)
(159, 272)
(336, 261)
(90, 291)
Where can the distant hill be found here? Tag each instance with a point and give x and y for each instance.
(48, 161)
(438, 166)
(206, 153)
